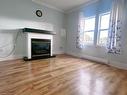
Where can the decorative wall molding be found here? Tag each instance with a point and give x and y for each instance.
(60, 10)
(47, 5)
(81, 6)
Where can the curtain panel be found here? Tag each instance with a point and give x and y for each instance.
(116, 27)
(79, 40)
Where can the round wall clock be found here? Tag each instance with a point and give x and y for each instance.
(39, 13)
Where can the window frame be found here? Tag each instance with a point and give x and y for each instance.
(99, 28)
(86, 18)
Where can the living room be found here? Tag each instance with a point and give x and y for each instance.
(84, 38)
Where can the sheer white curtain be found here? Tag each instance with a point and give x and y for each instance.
(86, 12)
(116, 27)
(81, 23)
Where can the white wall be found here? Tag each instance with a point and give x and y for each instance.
(16, 14)
(93, 52)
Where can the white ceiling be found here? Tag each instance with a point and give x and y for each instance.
(64, 5)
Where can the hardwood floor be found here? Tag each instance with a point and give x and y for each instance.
(63, 75)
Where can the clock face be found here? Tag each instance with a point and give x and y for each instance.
(39, 13)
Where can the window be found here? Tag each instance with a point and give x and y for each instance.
(103, 28)
(89, 27)
(87, 36)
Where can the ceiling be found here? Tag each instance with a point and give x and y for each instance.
(63, 5)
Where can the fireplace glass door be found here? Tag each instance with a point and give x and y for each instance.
(41, 47)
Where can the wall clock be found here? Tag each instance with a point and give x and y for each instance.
(39, 13)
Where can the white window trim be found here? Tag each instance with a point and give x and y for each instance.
(99, 24)
(90, 44)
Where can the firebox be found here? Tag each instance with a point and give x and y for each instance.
(40, 48)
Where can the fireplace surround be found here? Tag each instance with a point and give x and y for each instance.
(39, 43)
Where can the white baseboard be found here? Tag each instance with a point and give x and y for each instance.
(119, 65)
(58, 52)
(102, 60)
(73, 54)
(105, 61)
(13, 57)
(111, 63)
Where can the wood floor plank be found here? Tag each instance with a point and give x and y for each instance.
(63, 75)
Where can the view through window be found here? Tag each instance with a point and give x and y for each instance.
(89, 28)
(103, 28)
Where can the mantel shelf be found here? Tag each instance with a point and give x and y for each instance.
(38, 31)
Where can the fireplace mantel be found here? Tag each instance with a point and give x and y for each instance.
(37, 34)
(31, 30)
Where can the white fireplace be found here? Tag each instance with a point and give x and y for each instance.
(39, 36)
